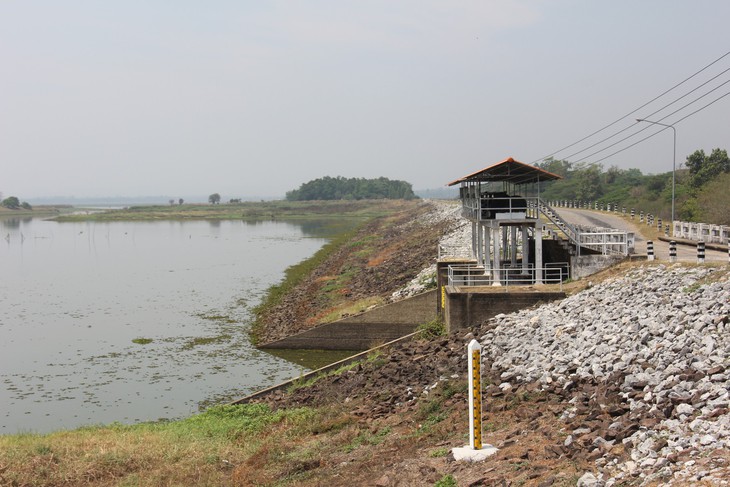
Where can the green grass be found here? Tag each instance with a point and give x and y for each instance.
(430, 330)
(446, 481)
(367, 438)
(199, 450)
(142, 341)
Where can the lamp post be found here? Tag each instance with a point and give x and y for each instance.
(674, 160)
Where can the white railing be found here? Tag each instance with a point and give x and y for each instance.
(476, 275)
(607, 241)
(701, 232)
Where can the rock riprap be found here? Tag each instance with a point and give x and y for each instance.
(656, 343)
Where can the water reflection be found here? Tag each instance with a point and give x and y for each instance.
(135, 321)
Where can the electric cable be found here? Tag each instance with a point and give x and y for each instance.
(633, 111)
(661, 130)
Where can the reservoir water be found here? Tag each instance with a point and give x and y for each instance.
(135, 321)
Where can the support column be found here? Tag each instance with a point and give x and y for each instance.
(496, 277)
(538, 254)
(474, 227)
(480, 248)
(525, 250)
(513, 245)
(488, 249)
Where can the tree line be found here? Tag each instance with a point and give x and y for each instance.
(13, 203)
(340, 188)
(701, 184)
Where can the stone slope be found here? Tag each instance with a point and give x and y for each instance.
(658, 339)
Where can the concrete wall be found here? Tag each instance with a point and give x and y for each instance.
(469, 307)
(366, 330)
(585, 265)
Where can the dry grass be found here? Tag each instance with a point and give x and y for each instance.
(201, 450)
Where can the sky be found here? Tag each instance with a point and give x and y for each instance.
(254, 98)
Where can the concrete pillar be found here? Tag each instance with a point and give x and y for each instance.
(513, 245)
(496, 274)
(538, 254)
(488, 249)
(474, 239)
(525, 250)
(503, 231)
(479, 247)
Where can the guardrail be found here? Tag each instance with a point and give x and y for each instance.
(607, 241)
(697, 231)
(701, 232)
(476, 275)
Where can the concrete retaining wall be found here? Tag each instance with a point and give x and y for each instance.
(366, 330)
(467, 307)
(585, 265)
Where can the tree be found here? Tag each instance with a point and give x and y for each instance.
(589, 182)
(339, 188)
(11, 202)
(703, 168)
(713, 201)
(180, 201)
(214, 199)
(556, 166)
(26, 206)
(171, 201)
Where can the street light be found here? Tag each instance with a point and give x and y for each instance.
(674, 160)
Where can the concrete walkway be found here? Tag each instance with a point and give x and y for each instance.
(685, 253)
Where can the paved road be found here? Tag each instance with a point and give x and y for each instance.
(685, 253)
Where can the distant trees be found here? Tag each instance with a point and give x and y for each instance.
(180, 201)
(214, 199)
(11, 202)
(700, 191)
(703, 168)
(339, 188)
(714, 200)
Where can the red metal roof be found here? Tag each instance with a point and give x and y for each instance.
(509, 170)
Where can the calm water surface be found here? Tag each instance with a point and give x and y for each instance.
(74, 296)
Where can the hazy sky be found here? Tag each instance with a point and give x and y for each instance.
(253, 98)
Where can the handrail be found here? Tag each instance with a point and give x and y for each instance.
(605, 240)
(477, 275)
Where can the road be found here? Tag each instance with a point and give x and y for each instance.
(685, 253)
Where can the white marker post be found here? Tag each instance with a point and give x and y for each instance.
(475, 451)
(475, 394)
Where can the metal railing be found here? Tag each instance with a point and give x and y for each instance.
(483, 208)
(476, 275)
(607, 241)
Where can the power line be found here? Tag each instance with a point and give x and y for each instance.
(649, 116)
(647, 127)
(633, 111)
(662, 130)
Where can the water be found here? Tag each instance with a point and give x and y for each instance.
(74, 296)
